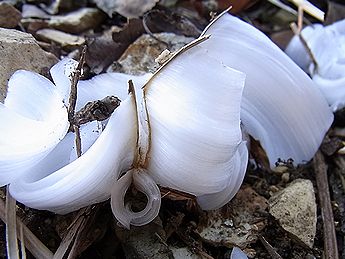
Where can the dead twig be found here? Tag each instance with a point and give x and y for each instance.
(330, 241)
(194, 245)
(148, 31)
(273, 253)
(77, 140)
(74, 82)
(22, 242)
(73, 100)
(74, 230)
(11, 228)
(297, 32)
(175, 194)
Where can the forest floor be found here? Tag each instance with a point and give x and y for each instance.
(272, 214)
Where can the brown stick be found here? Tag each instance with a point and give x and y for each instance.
(73, 100)
(273, 253)
(296, 31)
(330, 240)
(74, 82)
(77, 140)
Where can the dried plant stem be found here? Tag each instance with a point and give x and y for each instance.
(297, 32)
(75, 230)
(77, 140)
(73, 100)
(74, 82)
(330, 241)
(300, 19)
(148, 31)
(273, 253)
(22, 241)
(283, 6)
(32, 243)
(11, 228)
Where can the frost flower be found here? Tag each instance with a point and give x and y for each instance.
(178, 128)
(33, 121)
(327, 47)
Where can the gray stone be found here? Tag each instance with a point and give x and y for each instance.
(62, 38)
(32, 11)
(9, 16)
(139, 58)
(19, 50)
(127, 8)
(77, 21)
(295, 209)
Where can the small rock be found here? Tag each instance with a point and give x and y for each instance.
(32, 11)
(9, 16)
(163, 21)
(32, 24)
(144, 242)
(295, 209)
(233, 225)
(77, 21)
(102, 51)
(19, 50)
(64, 6)
(62, 38)
(139, 58)
(127, 8)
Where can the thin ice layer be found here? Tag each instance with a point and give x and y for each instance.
(239, 166)
(193, 105)
(281, 106)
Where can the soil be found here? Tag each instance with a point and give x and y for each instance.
(180, 216)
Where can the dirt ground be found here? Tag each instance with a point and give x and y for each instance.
(183, 230)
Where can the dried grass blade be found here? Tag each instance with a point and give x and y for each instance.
(32, 243)
(11, 229)
(70, 238)
(22, 241)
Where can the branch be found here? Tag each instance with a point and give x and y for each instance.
(73, 100)
(330, 240)
(74, 82)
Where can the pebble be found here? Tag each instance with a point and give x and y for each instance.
(62, 38)
(139, 58)
(19, 50)
(129, 9)
(77, 21)
(295, 209)
(9, 16)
